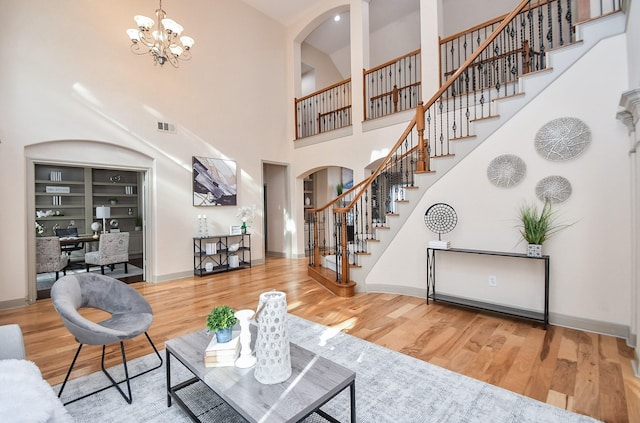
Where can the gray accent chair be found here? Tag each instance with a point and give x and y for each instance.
(131, 315)
(113, 248)
(49, 256)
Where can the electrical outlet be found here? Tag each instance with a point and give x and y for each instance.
(493, 281)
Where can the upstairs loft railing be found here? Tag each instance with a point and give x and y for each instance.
(542, 25)
(393, 86)
(343, 228)
(324, 110)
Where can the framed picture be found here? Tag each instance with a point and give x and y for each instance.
(214, 182)
(235, 230)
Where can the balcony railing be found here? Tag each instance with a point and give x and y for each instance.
(393, 86)
(324, 110)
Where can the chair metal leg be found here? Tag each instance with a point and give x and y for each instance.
(69, 371)
(115, 384)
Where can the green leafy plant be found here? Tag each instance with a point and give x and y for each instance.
(536, 226)
(138, 221)
(221, 317)
(339, 188)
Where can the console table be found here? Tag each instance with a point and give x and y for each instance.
(479, 305)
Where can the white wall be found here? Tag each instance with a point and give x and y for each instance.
(79, 81)
(395, 40)
(633, 37)
(325, 71)
(459, 15)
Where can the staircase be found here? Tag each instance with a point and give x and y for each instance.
(425, 153)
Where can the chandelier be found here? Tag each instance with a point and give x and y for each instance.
(163, 43)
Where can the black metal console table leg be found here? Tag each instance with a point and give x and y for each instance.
(431, 273)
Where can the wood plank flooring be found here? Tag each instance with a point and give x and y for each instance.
(584, 372)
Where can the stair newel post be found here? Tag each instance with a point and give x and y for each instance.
(395, 98)
(316, 238)
(423, 161)
(344, 259)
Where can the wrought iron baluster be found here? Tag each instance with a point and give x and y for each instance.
(550, 25)
(569, 18)
(560, 30)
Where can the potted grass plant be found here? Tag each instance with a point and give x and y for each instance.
(536, 226)
(221, 320)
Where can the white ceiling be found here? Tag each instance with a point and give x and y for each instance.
(283, 11)
(332, 36)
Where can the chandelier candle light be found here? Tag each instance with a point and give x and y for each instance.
(163, 43)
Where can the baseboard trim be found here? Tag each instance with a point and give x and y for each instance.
(393, 289)
(595, 326)
(187, 274)
(20, 302)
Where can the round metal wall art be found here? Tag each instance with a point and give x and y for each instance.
(506, 171)
(553, 188)
(440, 218)
(562, 139)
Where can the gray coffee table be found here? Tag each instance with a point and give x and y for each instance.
(313, 382)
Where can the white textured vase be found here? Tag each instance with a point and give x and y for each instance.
(272, 344)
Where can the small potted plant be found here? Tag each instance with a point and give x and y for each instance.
(113, 200)
(537, 226)
(221, 320)
(138, 223)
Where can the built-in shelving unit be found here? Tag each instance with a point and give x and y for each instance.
(308, 192)
(67, 196)
(221, 253)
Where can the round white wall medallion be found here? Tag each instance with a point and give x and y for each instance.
(562, 139)
(506, 171)
(553, 188)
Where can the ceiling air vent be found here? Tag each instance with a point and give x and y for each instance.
(166, 127)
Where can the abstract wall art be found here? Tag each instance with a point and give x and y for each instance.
(214, 182)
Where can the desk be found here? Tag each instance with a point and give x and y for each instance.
(511, 311)
(67, 240)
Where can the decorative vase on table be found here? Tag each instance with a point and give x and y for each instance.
(244, 227)
(534, 250)
(272, 344)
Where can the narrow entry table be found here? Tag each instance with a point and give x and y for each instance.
(479, 305)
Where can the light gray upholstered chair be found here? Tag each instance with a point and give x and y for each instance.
(49, 256)
(113, 248)
(131, 315)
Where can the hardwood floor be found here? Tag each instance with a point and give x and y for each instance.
(584, 372)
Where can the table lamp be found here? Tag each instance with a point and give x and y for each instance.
(95, 227)
(103, 213)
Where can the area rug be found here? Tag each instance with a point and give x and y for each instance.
(46, 280)
(390, 387)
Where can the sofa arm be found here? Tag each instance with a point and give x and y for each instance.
(12, 345)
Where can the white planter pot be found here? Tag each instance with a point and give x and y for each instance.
(534, 250)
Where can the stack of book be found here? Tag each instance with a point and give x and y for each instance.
(441, 245)
(222, 355)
